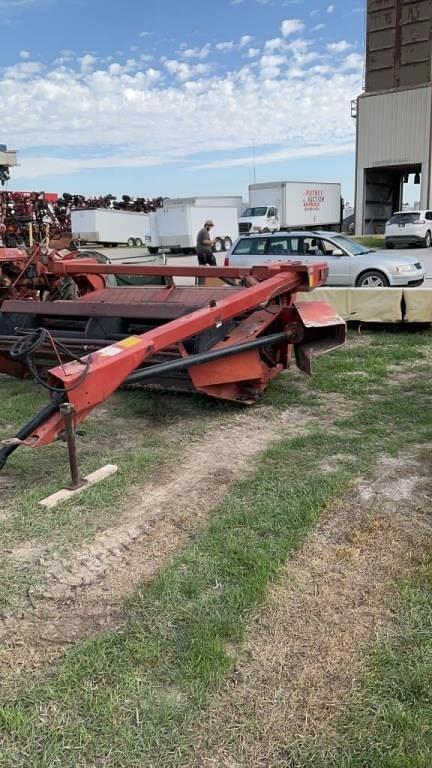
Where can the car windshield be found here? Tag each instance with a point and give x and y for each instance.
(350, 245)
(261, 211)
(404, 218)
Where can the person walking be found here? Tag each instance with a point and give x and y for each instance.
(204, 246)
(204, 249)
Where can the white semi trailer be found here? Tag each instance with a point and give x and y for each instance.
(105, 226)
(292, 205)
(176, 225)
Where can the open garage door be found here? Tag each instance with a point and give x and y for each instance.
(384, 195)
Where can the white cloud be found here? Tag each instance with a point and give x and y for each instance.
(271, 66)
(318, 27)
(196, 53)
(24, 54)
(275, 44)
(322, 69)
(23, 70)
(16, 5)
(330, 9)
(8, 4)
(340, 47)
(293, 153)
(11, 8)
(245, 40)
(34, 167)
(225, 46)
(354, 62)
(291, 26)
(300, 52)
(172, 112)
(87, 62)
(184, 71)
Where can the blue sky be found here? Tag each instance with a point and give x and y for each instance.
(171, 98)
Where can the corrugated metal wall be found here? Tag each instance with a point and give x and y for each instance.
(394, 128)
(393, 137)
(399, 47)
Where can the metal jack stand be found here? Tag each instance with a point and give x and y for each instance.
(68, 412)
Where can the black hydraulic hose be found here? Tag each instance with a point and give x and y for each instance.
(207, 357)
(31, 426)
(28, 342)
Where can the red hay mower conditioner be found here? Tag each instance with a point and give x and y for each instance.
(227, 341)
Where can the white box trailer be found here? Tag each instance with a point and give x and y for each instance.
(211, 201)
(109, 227)
(292, 204)
(176, 225)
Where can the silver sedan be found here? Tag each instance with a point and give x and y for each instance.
(349, 263)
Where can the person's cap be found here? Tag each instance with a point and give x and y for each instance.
(209, 223)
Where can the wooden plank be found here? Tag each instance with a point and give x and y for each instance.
(65, 494)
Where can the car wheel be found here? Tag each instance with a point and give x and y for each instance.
(389, 244)
(428, 240)
(265, 231)
(218, 246)
(153, 250)
(227, 243)
(372, 279)
(131, 242)
(138, 242)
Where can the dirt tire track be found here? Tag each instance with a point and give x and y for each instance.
(304, 650)
(85, 594)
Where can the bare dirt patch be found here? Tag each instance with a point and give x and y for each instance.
(304, 649)
(84, 594)
(335, 462)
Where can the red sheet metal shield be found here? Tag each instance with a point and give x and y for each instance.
(325, 330)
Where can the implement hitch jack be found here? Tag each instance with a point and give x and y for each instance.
(67, 410)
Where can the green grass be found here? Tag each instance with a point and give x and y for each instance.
(136, 431)
(371, 241)
(139, 431)
(127, 698)
(358, 371)
(389, 723)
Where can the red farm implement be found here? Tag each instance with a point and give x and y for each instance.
(30, 274)
(226, 341)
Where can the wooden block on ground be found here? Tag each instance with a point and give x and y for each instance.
(95, 477)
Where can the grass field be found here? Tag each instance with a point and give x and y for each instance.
(253, 588)
(371, 241)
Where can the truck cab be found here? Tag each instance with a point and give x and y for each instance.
(259, 218)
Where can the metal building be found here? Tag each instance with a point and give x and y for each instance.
(394, 114)
(8, 159)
